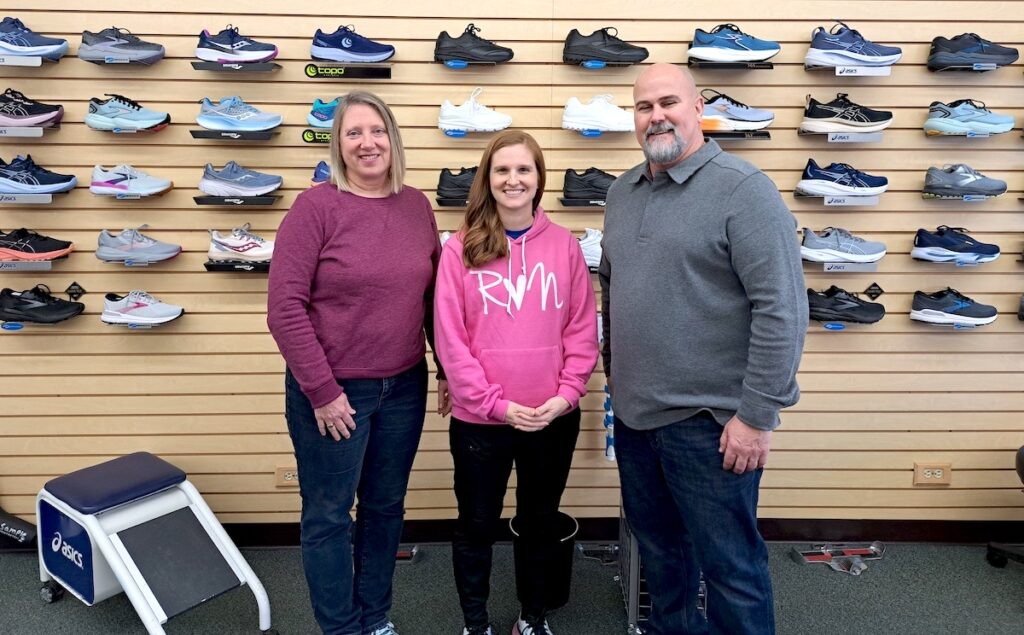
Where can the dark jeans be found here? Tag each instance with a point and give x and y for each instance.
(349, 572)
(484, 455)
(689, 515)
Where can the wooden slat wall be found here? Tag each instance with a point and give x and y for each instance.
(205, 392)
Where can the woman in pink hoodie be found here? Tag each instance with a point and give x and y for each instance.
(516, 331)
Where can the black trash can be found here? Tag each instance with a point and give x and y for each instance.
(555, 549)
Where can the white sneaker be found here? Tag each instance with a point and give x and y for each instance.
(124, 179)
(472, 116)
(521, 627)
(597, 114)
(444, 237)
(478, 631)
(590, 242)
(137, 307)
(241, 245)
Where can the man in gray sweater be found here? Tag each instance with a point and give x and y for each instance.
(705, 312)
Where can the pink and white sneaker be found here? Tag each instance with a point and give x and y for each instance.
(138, 308)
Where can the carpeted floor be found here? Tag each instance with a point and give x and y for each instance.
(915, 589)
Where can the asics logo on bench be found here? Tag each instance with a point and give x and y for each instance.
(59, 544)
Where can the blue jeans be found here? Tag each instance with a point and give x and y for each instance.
(689, 515)
(349, 572)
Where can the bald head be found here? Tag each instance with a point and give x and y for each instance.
(667, 112)
(666, 75)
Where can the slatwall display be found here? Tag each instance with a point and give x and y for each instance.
(206, 392)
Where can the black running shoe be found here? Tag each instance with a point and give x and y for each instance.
(601, 45)
(842, 115)
(18, 110)
(838, 305)
(25, 244)
(456, 186)
(469, 47)
(591, 184)
(949, 306)
(966, 50)
(36, 305)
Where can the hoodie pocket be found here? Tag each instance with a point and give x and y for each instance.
(527, 376)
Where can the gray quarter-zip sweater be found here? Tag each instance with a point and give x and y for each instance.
(703, 293)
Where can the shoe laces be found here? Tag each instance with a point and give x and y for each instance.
(125, 33)
(42, 292)
(956, 294)
(17, 96)
(351, 30)
(243, 233)
(841, 233)
(956, 230)
(840, 24)
(131, 103)
(15, 23)
(141, 296)
(717, 94)
(133, 235)
(974, 103)
(611, 33)
(477, 106)
(232, 33)
(837, 292)
(235, 105)
(960, 167)
(730, 26)
(973, 36)
(848, 168)
(472, 30)
(22, 233)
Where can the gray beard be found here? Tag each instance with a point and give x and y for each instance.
(665, 153)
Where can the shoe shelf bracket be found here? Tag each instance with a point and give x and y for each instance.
(841, 200)
(19, 60)
(581, 202)
(234, 201)
(853, 71)
(234, 135)
(26, 199)
(250, 67)
(845, 137)
(26, 265)
(739, 135)
(237, 266)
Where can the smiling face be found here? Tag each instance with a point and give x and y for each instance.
(365, 146)
(667, 112)
(513, 178)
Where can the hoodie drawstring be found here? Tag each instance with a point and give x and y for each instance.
(508, 307)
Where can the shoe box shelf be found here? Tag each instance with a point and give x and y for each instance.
(854, 71)
(234, 135)
(739, 135)
(251, 67)
(233, 201)
(25, 132)
(451, 202)
(581, 202)
(841, 200)
(26, 265)
(19, 60)
(26, 199)
(845, 137)
(237, 266)
(341, 71)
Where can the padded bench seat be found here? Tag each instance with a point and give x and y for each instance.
(94, 489)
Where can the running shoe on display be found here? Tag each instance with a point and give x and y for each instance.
(722, 112)
(118, 44)
(839, 305)
(589, 185)
(726, 43)
(965, 116)
(121, 113)
(233, 114)
(130, 244)
(469, 47)
(590, 243)
(18, 40)
(23, 176)
(36, 305)
(138, 307)
(345, 45)
(234, 180)
(839, 179)
(456, 186)
(228, 47)
(242, 245)
(124, 179)
(949, 306)
(843, 46)
(472, 116)
(602, 45)
(833, 244)
(322, 113)
(959, 180)
(597, 114)
(966, 50)
(952, 244)
(322, 172)
(842, 115)
(25, 244)
(17, 110)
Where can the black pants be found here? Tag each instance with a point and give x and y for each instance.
(484, 455)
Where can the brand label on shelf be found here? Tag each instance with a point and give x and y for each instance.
(850, 201)
(854, 137)
(851, 267)
(316, 136)
(863, 71)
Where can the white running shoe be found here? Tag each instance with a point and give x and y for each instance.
(597, 114)
(137, 307)
(241, 245)
(522, 627)
(590, 242)
(124, 179)
(472, 116)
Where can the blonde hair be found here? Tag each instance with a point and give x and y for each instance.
(396, 172)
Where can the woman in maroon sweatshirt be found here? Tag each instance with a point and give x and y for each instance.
(350, 295)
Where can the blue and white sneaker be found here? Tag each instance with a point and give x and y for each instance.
(232, 114)
(228, 47)
(322, 114)
(722, 112)
(843, 46)
(23, 176)
(121, 113)
(839, 179)
(345, 45)
(726, 43)
(234, 180)
(19, 40)
(951, 307)
(965, 116)
(951, 244)
(321, 173)
(834, 244)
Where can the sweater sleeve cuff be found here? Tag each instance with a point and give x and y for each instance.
(570, 395)
(758, 416)
(499, 410)
(325, 394)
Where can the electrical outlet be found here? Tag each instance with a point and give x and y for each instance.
(933, 473)
(287, 476)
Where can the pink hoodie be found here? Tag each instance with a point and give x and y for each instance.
(521, 329)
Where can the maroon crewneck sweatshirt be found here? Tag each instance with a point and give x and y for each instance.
(351, 285)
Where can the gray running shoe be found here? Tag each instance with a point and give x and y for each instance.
(131, 245)
(118, 44)
(234, 180)
(959, 180)
(232, 113)
(138, 308)
(838, 245)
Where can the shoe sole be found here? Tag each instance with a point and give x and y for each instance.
(827, 188)
(470, 127)
(102, 190)
(716, 54)
(99, 56)
(818, 57)
(933, 316)
(13, 255)
(317, 123)
(220, 57)
(828, 315)
(331, 54)
(13, 187)
(452, 55)
(219, 124)
(233, 257)
(115, 318)
(840, 125)
(219, 188)
(575, 57)
(44, 120)
(941, 61)
(942, 192)
(831, 255)
(716, 123)
(936, 127)
(98, 122)
(52, 51)
(114, 255)
(4, 317)
(575, 123)
(938, 254)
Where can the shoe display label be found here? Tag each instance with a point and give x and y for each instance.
(851, 201)
(348, 71)
(854, 137)
(863, 71)
(316, 136)
(874, 291)
(75, 291)
(849, 267)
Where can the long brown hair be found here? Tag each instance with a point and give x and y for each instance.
(483, 235)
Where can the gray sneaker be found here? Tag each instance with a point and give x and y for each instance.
(839, 245)
(118, 44)
(959, 180)
(131, 245)
(234, 180)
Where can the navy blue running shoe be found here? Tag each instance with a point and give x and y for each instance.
(23, 176)
(839, 179)
(322, 172)
(951, 307)
(17, 39)
(228, 47)
(952, 244)
(345, 45)
(843, 46)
